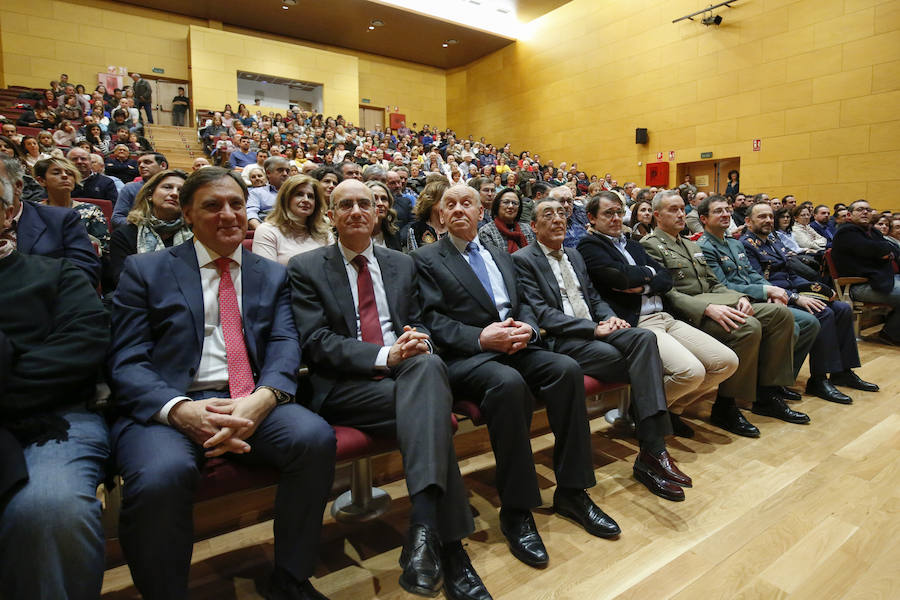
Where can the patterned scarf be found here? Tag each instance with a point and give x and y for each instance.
(515, 239)
(149, 235)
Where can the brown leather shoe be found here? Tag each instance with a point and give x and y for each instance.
(657, 484)
(663, 465)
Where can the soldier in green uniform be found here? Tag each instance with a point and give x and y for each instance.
(759, 333)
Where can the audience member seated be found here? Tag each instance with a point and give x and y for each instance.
(65, 135)
(385, 232)
(121, 165)
(381, 376)
(834, 348)
(154, 223)
(504, 232)
(822, 224)
(148, 165)
(893, 234)
(642, 221)
(32, 151)
(760, 334)
(254, 176)
(487, 191)
(59, 178)
(861, 251)
(98, 140)
(191, 388)
(428, 227)
(579, 324)
(92, 185)
(199, 163)
(53, 338)
(490, 341)
(297, 222)
(806, 237)
(401, 203)
(262, 199)
(45, 142)
(693, 362)
(242, 156)
(576, 221)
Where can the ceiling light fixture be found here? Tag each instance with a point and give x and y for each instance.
(286, 4)
(710, 19)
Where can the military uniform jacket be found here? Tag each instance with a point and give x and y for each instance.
(694, 285)
(731, 266)
(769, 256)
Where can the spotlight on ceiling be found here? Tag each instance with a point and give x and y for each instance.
(286, 4)
(450, 42)
(709, 19)
(712, 20)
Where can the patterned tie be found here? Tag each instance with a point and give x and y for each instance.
(477, 264)
(369, 321)
(240, 375)
(579, 307)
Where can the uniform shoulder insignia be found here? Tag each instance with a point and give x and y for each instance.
(755, 241)
(427, 238)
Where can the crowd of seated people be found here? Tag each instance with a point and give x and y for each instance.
(399, 270)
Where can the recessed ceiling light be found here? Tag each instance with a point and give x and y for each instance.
(371, 27)
(376, 23)
(445, 44)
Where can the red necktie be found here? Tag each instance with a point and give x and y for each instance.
(369, 322)
(240, 375)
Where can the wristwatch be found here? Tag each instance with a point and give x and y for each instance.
(793, 296)
(280, 397)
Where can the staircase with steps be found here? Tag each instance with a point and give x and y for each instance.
(179, 144)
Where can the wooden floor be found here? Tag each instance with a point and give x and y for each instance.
(803, 512)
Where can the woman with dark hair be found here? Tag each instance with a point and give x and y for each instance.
(65, 135)
(384, 232)
(784, 224)
(50, 99)
(296, 223)
(154, 223)
(329, 178)
(32, 151)
(93, 134)
(427, 228)
(505, 232)
(642, 220)
(734, 185)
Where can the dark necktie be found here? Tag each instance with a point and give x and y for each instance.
(477, 264)
(369, 321)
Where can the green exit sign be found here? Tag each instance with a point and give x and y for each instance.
(158, 70)
(366, 100)
(706, 155)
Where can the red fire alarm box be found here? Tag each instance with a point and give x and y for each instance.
(396, 120)
(658, 174)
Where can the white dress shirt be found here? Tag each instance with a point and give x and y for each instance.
(649, 304)
(501, 297)
(556, 267)
(212, 372)
(381, 302)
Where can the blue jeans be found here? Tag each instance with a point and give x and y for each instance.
(51, 538)
(864, 293)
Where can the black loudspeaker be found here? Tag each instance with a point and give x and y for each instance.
(640, 135)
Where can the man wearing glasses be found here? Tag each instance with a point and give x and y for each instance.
(580, 324)
(861, 251)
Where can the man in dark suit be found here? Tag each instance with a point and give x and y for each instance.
(581, 325)
(53, 451)
(861, 251)
(489, 339)
(93, 185)
(357, 309)
(201, 369)
(48, 230)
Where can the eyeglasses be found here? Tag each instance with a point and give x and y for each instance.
(559, 212)
(609, 214)
(509, 202)
(863, 209)
(346, 204)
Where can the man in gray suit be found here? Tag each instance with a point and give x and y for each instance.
(372, 367)
(580, 324)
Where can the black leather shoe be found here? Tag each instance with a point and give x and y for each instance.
(850, 379)
(657, 484)
(461, 582)
(731, 419)
(421, 561)
(580, 508)
(772, 405)
(821, 387)
(525, 542)
(679, 427)
(789, 394)
(282, 586)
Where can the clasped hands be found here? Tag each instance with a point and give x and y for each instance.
(410, 343)
(507, 336)
(730, 318)
(222, 425)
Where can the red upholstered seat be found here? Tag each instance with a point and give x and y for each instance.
(248, 244)
(593, 386)
(28, 130)
(250, 233)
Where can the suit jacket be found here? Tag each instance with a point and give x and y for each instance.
(57, 233)
(541, 290)
(609, 271)
(694, 286)
(860, 253)
(403, 207)
(97, 186)
(157, 320)
(325, 313)
(456, 306)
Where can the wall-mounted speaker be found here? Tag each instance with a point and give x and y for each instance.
(640, 135)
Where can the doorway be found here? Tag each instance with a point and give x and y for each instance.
(164, 90)
(710, 176)
(370, 116)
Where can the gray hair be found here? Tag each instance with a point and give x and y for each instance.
(559, 191)
(8, 196)
(373, 172)
(662, 195)
(399, 168)
(15, 172)
(273, 162)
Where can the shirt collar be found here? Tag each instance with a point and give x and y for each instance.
(461, 244)
(349, 254)
(621, 240)
(206, 256)
(18, 217)
(547, 250)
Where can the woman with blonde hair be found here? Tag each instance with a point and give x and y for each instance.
(296, 223)
(427, 228)
(385, 231)
(154, 223)
(59, 177)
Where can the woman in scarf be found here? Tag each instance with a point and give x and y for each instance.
(154, 223)
(505, 232)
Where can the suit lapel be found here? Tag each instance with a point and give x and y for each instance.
(543, 266)
(336, 273)
(29, 228)
(508, 271)
(389, 274)
(457, 265)
(187, 276)
(252, 289)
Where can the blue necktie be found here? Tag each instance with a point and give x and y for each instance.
(477, 264)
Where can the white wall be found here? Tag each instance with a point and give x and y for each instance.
(277, 96)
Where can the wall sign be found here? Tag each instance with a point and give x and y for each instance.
(757, 144)
(659, 156)
(671, 155)
(706, 155)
